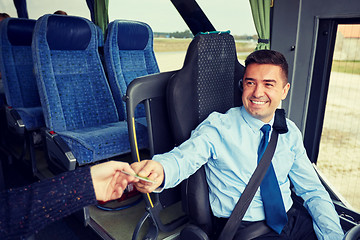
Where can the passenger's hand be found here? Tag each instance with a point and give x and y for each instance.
(108, 180)
(150, 169)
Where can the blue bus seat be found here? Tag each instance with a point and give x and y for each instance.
(23, 111)
(128, 54)
(17, 71)
(101, 44)
(80, 113)
(100, 36)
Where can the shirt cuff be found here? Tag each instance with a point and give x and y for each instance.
(167, 171)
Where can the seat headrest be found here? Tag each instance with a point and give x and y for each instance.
(20, 31)
(133, 35)
(68, 33)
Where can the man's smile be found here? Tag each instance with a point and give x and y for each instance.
(258, 102)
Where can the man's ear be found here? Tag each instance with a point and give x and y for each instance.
(285, 91)
(241, 85)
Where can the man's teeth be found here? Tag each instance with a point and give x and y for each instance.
(256, 102)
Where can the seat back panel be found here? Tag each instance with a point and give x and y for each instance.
(73, 84)
(128, 54)
(16, 64)
(205, 84)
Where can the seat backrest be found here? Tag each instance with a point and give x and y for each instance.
(128, 54)
(100, 36)
(207, 82)
(72, 84)
(16, 62)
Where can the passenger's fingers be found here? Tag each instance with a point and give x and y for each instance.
(128, 178)
(128, 169)
(113, 187)
(119, 189)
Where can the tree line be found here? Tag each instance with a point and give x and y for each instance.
(188, 34)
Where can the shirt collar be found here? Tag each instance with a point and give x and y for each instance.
(254, 123)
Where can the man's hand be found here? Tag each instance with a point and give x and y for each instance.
(108, 180)
(150, 169)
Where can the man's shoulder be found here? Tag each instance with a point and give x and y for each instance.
(294, 132)
(291, 125)
(216, 118)
(229, 113)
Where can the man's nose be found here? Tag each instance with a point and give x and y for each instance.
(258, 91)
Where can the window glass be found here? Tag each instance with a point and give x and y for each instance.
(7, 6)
(38, 8)
(233, 15)
(163, 19)
(339, 154)
(171, 35)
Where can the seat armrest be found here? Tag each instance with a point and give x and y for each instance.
(353, 233)
(143, 89)
(146, 87)
(60, 156)
(14, 120)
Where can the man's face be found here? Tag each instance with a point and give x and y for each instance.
(263, 90)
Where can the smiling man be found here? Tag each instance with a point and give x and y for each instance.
(228, 145)
(264, 86)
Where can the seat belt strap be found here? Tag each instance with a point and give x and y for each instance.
(246, 197)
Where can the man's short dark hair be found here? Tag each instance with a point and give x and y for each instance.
(60, 12)
(268, 57)
(4, 15)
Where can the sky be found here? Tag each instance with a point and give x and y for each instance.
(161, 15)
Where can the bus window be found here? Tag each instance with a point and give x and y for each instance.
(238, 16)
(165, 21)
(39, 8)
(339, 153)
(172, 36)
(233, 15)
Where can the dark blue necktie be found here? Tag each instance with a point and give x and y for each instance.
(275, 213)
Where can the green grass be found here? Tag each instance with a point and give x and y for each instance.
(346, 66)
(181, 44)
(171, 44)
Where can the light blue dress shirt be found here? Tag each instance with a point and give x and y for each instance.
(227, 144)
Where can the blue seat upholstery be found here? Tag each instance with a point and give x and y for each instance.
(74, 92)
(128, 54)
(2, 94)
(100, 36)
(17, 71)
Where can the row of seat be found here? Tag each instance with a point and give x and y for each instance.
(53, 77)
(88, 118)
